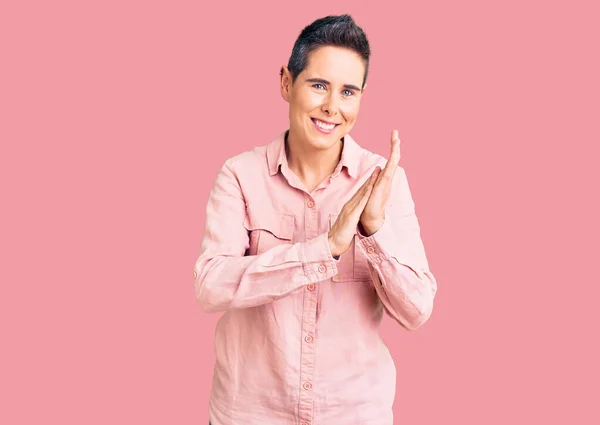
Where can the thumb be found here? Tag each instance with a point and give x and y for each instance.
(373, 180)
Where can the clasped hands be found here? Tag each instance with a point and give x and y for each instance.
(367, 205)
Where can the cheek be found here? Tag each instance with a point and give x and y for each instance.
(302, 106)
(312, 101)
(350, 112)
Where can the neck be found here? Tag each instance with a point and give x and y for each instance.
(310, 164)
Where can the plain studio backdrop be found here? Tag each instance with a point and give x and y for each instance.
(115, 117)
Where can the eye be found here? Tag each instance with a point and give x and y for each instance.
(350, 92)
(318, 84)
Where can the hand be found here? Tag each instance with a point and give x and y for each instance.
(373, 214)
(343, 230)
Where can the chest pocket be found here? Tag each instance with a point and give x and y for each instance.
(353, 265)
(268, 229)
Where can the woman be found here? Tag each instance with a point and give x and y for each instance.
(308, 240)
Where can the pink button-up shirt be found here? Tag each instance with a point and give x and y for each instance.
(299, 341)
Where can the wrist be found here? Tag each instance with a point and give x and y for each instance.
(332, 246)
(370, 228)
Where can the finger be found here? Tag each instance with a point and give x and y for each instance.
(372, 181)
(361, 190)
(393, 142)
(392, 163)
(372, 178)
(360, 198)
(395, 149)
(366, 183)
(396, 153)
(367, 194)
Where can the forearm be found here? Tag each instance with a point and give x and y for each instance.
(401, 274)
(224, 281)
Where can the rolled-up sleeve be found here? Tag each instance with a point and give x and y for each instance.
(399, 265)
(226, 278)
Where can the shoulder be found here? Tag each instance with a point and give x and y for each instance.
(251, 157)
(369, 160)
(248, 162)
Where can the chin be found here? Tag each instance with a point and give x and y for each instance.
(323, 141)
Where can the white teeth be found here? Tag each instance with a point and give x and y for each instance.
(324, 126)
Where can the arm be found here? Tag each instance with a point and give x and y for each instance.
(397, 257)
(224, 278)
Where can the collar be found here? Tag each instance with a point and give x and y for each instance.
(350, 155)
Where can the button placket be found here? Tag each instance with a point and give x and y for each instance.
(309, 319)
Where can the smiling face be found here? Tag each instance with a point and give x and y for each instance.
(325, 98)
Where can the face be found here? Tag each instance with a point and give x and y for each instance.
(325, 98)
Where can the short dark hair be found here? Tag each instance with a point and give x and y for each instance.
(339, 31)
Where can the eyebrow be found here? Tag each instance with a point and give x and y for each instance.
(322, 81)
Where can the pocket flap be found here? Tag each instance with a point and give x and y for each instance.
(280, 224)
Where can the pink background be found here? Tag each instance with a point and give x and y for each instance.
(116, 115)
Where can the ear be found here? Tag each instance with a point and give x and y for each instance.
(285, 83)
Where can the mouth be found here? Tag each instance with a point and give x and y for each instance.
(324, 126)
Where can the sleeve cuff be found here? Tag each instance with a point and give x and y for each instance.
(317, 261)
(384, 245)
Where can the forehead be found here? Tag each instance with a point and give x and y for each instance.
(336, 64)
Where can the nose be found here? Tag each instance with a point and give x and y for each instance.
(330, 105)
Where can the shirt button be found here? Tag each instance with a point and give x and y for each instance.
(370, 249)
(322, 268)
(311, 287)
(310, 203)
(307, 386)
(308, 338)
